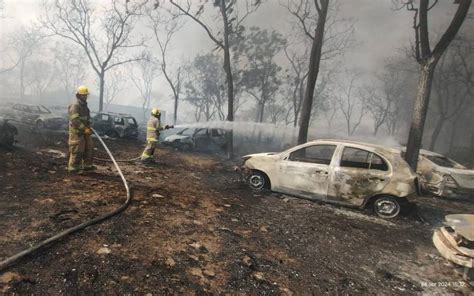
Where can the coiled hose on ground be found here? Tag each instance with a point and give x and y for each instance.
(9, 261)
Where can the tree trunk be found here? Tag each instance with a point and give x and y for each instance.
(313, 71)
(230, 80)
(175, 116)
(101, 90)
(436, 132)
(419, 113)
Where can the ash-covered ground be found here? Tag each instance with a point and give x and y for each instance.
(194, 228)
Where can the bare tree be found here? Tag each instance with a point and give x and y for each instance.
(116, 82)
(40, 75)
(231, 24)
(427, 58)
(260, 76)
(351, 104)
(24, 43)
(70, 67)
(297, 80)
(143, 81)
(104, 40)
(169, 25)
(453, 81)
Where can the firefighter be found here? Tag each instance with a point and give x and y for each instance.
(152, 135)
(80, 141)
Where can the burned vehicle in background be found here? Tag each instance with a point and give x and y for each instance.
(443, 177)
(342, 172)
(37, 116)
(199, 139)
(7, 133)
(115, 125)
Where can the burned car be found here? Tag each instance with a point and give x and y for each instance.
(342, 172)
(443, 177)
(37, 116)
(7, 133)
(115, 125)
(201, 139)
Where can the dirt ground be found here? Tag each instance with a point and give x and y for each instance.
(194, 228)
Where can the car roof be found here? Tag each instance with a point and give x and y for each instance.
(356, 143)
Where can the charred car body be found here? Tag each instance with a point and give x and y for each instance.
(115, 125)
(342, 172)
(201, 139)
(7, 133)
(37, 116)
(443, 177)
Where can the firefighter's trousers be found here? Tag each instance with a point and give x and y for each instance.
(149, 150)
(81, 152)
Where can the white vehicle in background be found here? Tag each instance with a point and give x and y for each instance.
(444, 177)
(343, 172)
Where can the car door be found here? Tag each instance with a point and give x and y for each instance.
(357, 175)
(201, 139)
(101, 123)
(306, 171)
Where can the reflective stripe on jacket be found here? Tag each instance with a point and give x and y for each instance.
(79, 117)
(153, 129)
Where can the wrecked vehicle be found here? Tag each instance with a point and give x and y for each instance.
(7, 133)
(201, 139)
(115, 125)
(342, 172)
(455, 242)
(443, 177)
(37, 116)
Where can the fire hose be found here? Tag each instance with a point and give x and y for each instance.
(9, 261)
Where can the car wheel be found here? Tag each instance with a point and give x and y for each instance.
(257, 181)
(387, 207)
(113, 134)
(187, 147)
(40, 125)
(8, 139)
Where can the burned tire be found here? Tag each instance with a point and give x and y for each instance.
(187, 147)
(387, 207)
(258, 181)
(113, 134)
(7, 139)
(40, 125)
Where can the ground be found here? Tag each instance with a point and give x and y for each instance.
(194, 228)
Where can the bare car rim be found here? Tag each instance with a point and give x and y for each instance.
(257, 181)
(387, 207)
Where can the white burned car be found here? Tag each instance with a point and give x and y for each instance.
(337, 171)
(444, 177)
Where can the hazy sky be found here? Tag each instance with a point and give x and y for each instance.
(379, 30)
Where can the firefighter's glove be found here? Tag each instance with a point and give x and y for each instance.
(88, 131)
(169, 126)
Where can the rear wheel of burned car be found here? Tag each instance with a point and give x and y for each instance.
(387, 207)
(258, 181)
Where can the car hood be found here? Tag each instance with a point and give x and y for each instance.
(173, 138)
(49, 116)
(261, 154)
(464, 177)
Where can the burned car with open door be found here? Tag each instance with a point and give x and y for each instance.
(199, 139)
(115, 125)
(7, 133)
(342, 172)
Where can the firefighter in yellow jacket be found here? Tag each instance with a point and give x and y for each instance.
(80, 142)
(153, 128)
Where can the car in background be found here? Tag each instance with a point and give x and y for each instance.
(444, 177)
(37, 116)
(7, 133)
(115, 125)
(342, 172)
(200, 139)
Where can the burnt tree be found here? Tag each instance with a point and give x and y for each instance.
(427, 59)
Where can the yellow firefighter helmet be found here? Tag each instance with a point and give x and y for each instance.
(156, 112)
(82, 90)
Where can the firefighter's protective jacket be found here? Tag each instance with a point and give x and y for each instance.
(153, 129)
(79, 117)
